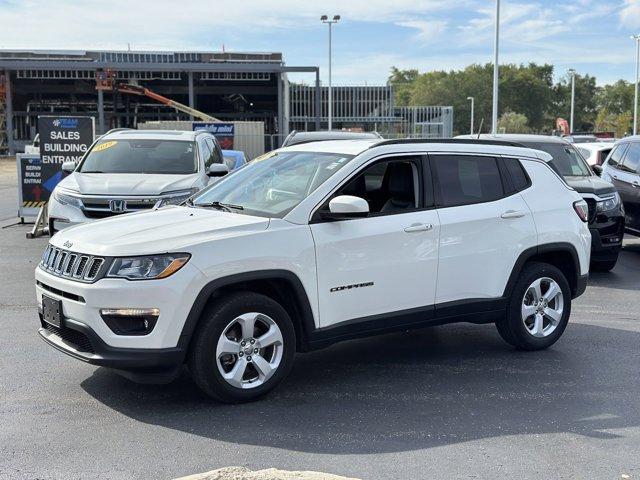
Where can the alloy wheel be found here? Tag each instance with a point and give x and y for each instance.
(542, 307)
(249, 351)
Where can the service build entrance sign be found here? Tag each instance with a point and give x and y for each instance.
(62, 139)
(224, 132)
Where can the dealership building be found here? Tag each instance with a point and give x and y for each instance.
(230, 86)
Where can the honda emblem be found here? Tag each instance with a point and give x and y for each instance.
(117, 206)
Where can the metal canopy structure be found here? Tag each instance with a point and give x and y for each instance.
(171, 67)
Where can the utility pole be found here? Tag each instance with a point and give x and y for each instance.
(494, 123)
(325, 19)
(635, 97)
(472, 105)
(572, 72)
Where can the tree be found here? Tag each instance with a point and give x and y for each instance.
(585, 110)
(402, 81)
(512, 122)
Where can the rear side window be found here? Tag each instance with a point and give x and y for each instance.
(517, 175)
(466, 179)
(615, 157)
(632, 158)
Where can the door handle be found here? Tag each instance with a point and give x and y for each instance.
(635, 184)
(419, 227)
(513, 214)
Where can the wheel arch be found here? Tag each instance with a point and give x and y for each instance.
(562, 255)
(283, 286)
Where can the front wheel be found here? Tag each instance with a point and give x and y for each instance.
(539, 308)
(243, 347)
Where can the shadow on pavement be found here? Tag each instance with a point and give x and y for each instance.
(409, 391)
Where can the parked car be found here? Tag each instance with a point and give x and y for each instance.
(622, 168)
(295, 137)
(606, 213)
(129, 170)
(594, 153)
(234, 158)
(314, 244)
(580, 138)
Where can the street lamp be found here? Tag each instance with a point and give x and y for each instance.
(635, 96)
(494, 122)
(472, 100)
(325, 19)
(572, 72)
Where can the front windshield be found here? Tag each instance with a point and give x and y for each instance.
(566, 161)
(272, 185)
(141, 156)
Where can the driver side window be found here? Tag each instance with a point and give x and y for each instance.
(389, 187)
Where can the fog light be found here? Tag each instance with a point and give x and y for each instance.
(130, 321)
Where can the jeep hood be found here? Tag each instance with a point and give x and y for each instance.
(164, 230)
(127, 183)
(591, 184)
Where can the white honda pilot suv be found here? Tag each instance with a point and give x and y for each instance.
(317, 243)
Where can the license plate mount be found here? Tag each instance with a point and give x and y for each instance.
(52, 311)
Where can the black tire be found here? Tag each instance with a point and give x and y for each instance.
(511, 327)
(604, 265)
(52, 229)
(202, 361)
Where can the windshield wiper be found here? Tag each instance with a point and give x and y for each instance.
(91, 171)
(219, 205)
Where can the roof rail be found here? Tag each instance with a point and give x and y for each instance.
(400, 141)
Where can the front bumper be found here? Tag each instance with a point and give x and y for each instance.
(607, 231)
(82, 343)
(82, 302)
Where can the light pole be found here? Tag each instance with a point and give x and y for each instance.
(494, 117)
(635, 96)
(325, 19)
(472, 100)
(572, 72)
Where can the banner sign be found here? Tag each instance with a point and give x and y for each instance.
(62, 139)
(224, 132)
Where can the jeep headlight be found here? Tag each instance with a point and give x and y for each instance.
(148, 267)
(177, 197)
(608, 203)
(66, 197)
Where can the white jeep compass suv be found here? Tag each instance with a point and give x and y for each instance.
(317, 243)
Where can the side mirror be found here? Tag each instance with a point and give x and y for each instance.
(68, 167)
(217, 170)
(344, 207)
(597, 169)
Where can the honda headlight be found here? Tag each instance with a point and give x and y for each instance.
(66, 197)
(148, 267)
(608, 203)
(177, 197)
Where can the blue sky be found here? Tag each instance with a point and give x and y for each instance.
(589, 35)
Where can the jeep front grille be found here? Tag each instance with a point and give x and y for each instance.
(72, 265)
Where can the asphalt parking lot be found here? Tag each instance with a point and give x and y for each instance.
(447, 402)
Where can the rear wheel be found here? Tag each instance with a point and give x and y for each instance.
(539, 308)
(243, 348)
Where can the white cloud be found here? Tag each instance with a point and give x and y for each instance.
(195, 24)
(428, 30)
(630, 14)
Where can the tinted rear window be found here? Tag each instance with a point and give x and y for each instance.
(566, 161)
(463, 180)
(519, 178)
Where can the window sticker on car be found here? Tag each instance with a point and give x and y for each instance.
(104, 146)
